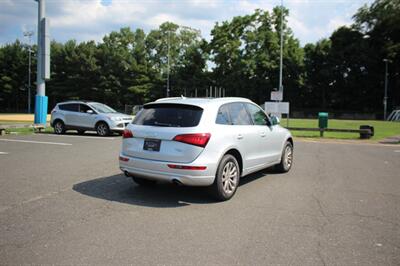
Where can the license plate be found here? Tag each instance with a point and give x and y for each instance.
(152, 144)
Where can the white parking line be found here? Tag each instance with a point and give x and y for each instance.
(36, 142)
(396, 150)
(2, 152)
(84, 137)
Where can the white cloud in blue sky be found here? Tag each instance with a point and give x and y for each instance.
(84, 20)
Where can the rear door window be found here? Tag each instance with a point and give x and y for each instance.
(239, 114)
(169, 115)
(72, 107)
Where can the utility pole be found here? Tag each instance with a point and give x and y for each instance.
(386, 86)
(43, 65)
(281, 56)
(29, 35)
(168, 64)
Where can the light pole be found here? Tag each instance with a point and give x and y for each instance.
(29, 35)
(43, 65)
(168, 64)
(386, 85)
(281, 56)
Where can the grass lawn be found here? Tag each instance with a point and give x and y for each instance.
(25, 130)
(383, 129)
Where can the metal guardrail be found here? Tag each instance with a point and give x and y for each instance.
(394, 116)
(364, 133)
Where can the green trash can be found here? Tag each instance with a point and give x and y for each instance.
(322, 120)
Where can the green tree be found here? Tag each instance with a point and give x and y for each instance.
(246, 53)
(14, 76)
(380, 24)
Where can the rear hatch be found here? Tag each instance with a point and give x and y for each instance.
(166, 132)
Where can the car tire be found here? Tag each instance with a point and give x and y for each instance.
(286, 158)
(227, 178)
(81, 132)
(59, 127)
(143, 182)
(102, 129)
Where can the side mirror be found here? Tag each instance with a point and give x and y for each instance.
(274, 120)
(89, 112)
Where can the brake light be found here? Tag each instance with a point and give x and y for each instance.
(186, 167)
(127, 134)
(124, 159)
(198, 139)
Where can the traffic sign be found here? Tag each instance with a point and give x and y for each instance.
(276, 96)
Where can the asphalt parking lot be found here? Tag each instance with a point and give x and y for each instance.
(63, 200)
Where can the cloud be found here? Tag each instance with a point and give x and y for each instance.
(92, 19)
(314, 20)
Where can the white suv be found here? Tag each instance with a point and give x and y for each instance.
(84, 116)
(203, 142)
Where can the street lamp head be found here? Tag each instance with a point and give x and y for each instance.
(28, 33)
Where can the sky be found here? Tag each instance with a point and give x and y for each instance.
(83, 20)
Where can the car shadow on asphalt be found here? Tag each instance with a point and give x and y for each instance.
(119, 188)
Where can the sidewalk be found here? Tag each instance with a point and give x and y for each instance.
(391, 140)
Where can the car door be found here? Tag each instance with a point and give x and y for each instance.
(71, 113)
(268, 142)
(86, 120)
(247, 137)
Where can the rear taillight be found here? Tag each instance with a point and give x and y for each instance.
(186, 167)
(127, 134)
(124, 159)
(198, 139)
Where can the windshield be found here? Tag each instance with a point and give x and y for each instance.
(102, 108)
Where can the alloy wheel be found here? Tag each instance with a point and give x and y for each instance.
(288, 157)
(229, 177)
(102, 129)
(58, 128)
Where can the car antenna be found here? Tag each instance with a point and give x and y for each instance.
(183, 97)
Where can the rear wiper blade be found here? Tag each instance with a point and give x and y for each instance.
(165, 124)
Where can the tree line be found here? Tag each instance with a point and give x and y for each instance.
(343, 72)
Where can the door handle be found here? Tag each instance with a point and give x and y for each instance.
(263, 134)
(239, 136)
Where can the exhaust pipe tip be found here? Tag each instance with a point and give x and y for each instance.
(177, 182)
(127, 174)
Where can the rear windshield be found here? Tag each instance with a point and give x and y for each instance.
(169, 115)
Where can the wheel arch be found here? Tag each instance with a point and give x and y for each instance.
(235, 153)
(101, 121)
(290, 139)
(56, 120)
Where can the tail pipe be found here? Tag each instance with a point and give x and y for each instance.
(177, 182)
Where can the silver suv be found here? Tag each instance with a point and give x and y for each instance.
(203, 142)
(87, 116)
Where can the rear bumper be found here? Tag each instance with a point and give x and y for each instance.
(159, 170)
